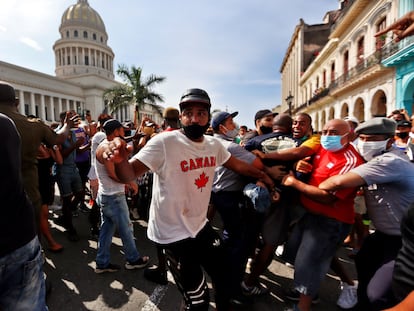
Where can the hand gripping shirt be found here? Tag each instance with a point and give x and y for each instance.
(183, 178)
(327, 164)
(389, 191)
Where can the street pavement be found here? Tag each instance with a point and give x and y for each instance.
(75, 286)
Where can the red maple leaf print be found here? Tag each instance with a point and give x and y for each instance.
(201, 182)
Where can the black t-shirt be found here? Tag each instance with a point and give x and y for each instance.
(17, 226)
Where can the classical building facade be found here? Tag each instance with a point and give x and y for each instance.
(353, 73)
(84, 68)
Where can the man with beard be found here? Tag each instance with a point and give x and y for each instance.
(184, 162)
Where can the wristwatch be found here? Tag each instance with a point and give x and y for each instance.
(55, 147)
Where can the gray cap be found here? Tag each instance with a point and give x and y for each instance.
(381, 126)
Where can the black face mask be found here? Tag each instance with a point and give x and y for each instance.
(195, 131)
(402, 135)
(266, 129)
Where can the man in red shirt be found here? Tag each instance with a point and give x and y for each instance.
(329, 214)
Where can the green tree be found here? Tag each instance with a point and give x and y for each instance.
(136, 90)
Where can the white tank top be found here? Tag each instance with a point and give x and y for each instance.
(107, 186)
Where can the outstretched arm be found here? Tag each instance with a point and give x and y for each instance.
(118, 152)
(402, 28)
(312, 192)
(337, 182)
(246, 169)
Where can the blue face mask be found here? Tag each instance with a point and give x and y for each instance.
(331, 142)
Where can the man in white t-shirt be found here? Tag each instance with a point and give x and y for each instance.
(183, 163)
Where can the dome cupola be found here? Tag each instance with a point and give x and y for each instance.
(82, 48)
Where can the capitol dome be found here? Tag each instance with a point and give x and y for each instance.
(81, 14)
(82, 49)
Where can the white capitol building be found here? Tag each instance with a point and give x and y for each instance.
(83, 66)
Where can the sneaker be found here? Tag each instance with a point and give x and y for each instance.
(138, 264)
(109, 268)
(255, 290)
(348, 297)
(154, 274)
(294, 295)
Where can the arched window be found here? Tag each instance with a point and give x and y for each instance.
(94, 36)
(85, 34)
(75, 33)
(67, 34)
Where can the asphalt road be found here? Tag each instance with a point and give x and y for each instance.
(76, 287)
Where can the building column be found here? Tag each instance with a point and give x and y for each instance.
(32, 104)
(42, 112)
(21, 103)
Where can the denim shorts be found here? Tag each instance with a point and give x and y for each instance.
(316, 239)
(69, 181)
(22, 284)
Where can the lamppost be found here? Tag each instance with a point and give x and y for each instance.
(289, 101)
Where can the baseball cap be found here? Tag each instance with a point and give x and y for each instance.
(379, 125)
(404, 123)
(264, 113)
(195, 96)
(220, 117)
(111, 125)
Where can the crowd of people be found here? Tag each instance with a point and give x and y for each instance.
(279, 184)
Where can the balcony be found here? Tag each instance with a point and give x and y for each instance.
(370, 67)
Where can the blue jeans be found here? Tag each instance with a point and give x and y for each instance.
(316, 239)
(115, 214)
(22, 284)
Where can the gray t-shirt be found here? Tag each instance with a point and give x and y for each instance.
(389, 191)
(228, 180)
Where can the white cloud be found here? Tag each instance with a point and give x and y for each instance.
(31, 43)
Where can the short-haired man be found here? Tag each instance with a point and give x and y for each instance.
(32, 132)
(114, 209)
(184, 163)
(328, 216)
(388, 182)
(227, 197)
(171, 117)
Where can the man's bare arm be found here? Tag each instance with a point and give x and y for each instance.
(312, 192)
(246, 169)
(337, 182)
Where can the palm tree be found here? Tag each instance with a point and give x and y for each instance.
(136, 90)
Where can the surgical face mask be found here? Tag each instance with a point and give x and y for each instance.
(370, 149)
(332, 142)
(231, 133)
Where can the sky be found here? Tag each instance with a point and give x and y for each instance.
(233, 49)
